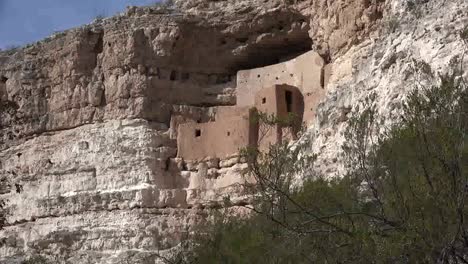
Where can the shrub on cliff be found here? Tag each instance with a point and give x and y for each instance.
(164, 3)
(36, 260)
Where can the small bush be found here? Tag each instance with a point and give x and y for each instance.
(416, 7)
(99, 17)
(10, 49)
(464, 34)
(164, 3)
(393, 24)
(35, 260)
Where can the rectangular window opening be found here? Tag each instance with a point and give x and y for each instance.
(185, 76)
(197, 132)
(289, 101)
(322, 78)
(158, 73)
(263, 100)
(173, 76)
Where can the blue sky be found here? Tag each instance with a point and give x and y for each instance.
(26, 21)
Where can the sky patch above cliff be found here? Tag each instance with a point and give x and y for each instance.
(26, 21)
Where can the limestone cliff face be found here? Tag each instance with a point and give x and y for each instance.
(92, 138)
(389, 63)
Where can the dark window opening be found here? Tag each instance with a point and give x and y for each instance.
(258, 76)
(185, 76)
(197, 132)
(173, 76)
(168, 164)
(228, 133)
(198, 121)
(223, 78)
(289, 101)
(220, 79)
(83, 145)
(263, 100)
(158, 73)
(322, 78)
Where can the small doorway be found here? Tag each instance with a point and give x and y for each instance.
(289, 101)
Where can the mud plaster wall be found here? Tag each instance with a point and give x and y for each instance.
(222, 138)
(305, 72)
(272, 100)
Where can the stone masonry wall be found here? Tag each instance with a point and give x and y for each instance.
(305, 72)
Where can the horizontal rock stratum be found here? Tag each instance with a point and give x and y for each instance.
(92, 124)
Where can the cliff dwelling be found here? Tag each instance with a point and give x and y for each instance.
(292, 87)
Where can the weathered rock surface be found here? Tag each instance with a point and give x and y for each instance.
(389, 64)
(77, 182)
(93, 137)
